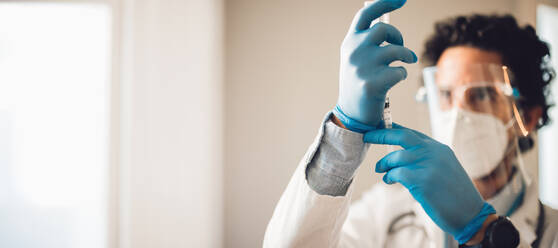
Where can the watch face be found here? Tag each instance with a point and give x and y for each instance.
(502, 234)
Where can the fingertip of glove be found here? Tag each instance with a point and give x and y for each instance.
(378, 168)
(398, 3)
(386, 179)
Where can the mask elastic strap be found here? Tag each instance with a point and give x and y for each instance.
(521, 165)
(519, 159)
(510, 123)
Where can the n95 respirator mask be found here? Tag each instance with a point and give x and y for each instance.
(479, 140)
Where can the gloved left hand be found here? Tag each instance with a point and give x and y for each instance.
(433, 175)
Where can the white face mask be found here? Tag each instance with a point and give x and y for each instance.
(478, 140)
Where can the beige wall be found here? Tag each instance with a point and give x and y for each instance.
(281, 78)
(170, 181)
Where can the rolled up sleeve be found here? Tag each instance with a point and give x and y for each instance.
(338, 156)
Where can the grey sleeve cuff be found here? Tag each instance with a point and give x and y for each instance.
(339, 154)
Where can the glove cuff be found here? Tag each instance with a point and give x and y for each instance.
(474, 225)
(350, 123)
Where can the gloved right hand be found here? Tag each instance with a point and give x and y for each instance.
(365, 74)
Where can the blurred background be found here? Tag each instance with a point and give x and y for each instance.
(178, 123)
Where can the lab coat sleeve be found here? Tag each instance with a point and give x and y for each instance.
(304, 217)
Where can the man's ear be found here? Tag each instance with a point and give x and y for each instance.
(532, 117)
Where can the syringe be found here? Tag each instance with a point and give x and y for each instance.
(387, 113)
(388, 123)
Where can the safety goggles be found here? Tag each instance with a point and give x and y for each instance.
(479, 88)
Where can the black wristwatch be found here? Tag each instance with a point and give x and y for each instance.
(499, 234)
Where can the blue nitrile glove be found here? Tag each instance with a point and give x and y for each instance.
(432, 174)
(365, 74)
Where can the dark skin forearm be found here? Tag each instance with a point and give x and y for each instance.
(337, 122)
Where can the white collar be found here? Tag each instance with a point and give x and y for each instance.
(526, 216)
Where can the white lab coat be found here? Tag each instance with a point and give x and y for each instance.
(386, 216)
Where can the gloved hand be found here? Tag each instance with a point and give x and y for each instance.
(365, 74)
(432, 174)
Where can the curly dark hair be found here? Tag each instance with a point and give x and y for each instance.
(521, 49)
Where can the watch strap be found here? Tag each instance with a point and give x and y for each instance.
(500, 233)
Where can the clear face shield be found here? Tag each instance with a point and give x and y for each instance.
(473, 110)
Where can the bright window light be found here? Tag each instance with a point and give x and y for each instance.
(547, 17)
(54, 109)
